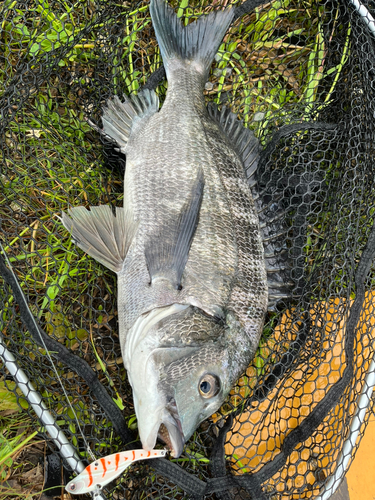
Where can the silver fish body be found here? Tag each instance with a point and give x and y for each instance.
(192, 282)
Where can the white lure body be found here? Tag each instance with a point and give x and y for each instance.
(106, 469)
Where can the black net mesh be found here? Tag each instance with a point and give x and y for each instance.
(301, 76)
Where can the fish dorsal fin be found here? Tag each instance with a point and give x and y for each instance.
(242, 139)
(119, 118)
(101, 234)
(271, 217)
(167, 250)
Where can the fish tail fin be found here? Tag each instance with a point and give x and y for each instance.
(196, 43)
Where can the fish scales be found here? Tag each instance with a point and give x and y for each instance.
(158, 180)
(249, 295)
(192, 287)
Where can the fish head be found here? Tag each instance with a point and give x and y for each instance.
(180, 375)
(195, 385)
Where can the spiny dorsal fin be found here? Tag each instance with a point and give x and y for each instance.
(101, 234)
(120, 117)
(242, 139)
(271, 218)
(167, 251)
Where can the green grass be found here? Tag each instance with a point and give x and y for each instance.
(15, 430)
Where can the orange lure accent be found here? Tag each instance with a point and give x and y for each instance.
(104, 467)
(90, 474)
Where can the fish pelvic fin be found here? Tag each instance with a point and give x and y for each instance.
(119, 118)
(167, 250)
(101, 234)
(198, 42)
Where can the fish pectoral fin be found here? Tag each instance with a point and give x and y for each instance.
(119, 118)
(167, 250)
(100, 233)
(242, 139)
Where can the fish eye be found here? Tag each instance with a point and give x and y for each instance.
(72, 487)
(209, 386)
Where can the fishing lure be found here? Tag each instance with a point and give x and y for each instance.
(106, 469)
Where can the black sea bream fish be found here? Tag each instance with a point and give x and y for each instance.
(186, 246)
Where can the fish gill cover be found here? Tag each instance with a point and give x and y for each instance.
(300, 76)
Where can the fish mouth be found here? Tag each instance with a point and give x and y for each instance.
(170, 430)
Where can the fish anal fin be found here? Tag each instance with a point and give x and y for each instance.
(101, 234)
(274, 232)
(278, 268)
(167, 250)
(120, 118)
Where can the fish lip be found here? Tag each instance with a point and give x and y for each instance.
(171, 424)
